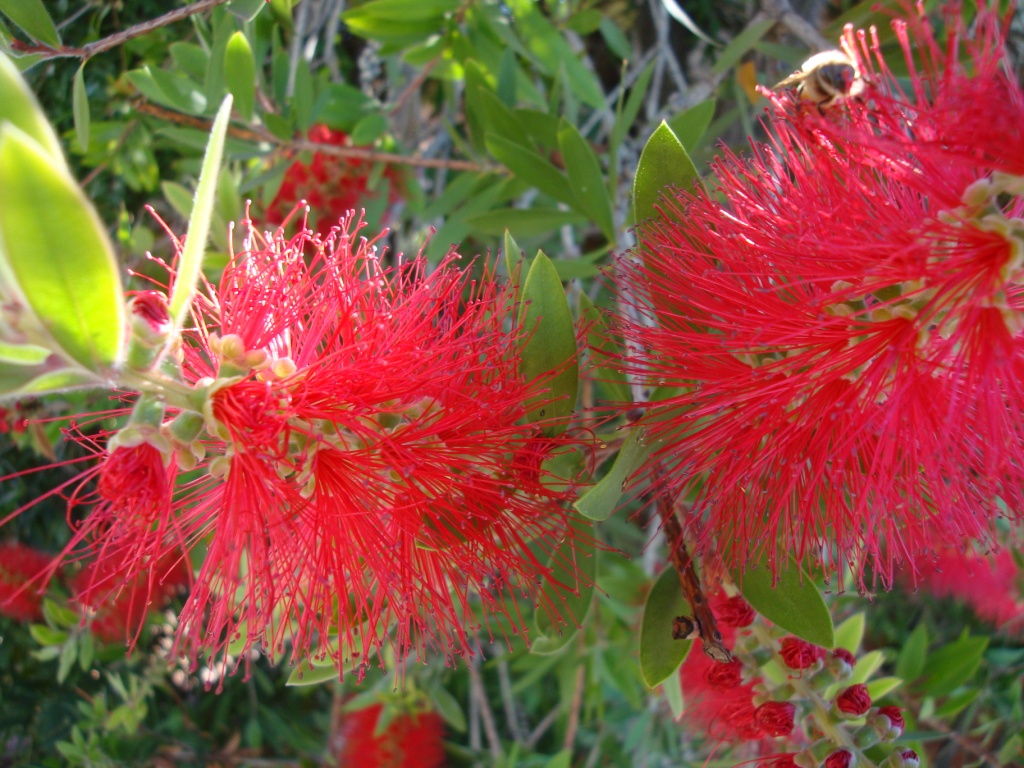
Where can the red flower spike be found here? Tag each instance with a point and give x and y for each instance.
(844, 656)
(408, 741)
(844, 320)
(854, 700)
(367, 440)
(840, 759)
(19, 565)
(775, 718)
(799, 654)
(734, 612)
(723, 677)
(332, 186)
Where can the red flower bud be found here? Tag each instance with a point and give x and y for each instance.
(799, 654)
(840, 759)
(844, 655)
(775, 718)
(854, 700)
(781, 761)
(896, 723)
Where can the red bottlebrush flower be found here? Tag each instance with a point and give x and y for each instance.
(776, 718)
(990, 584)
(896, 723)
(717, 701)
(734, 612)
(361, 469)
(799, 654)
(839, 759)
(408, 741)
(854, 700)
(115, 608)
(781, 761)
(844, 320)
(723, 677)
(20, 564)
(331, 185)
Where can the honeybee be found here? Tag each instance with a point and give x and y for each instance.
(826, 78)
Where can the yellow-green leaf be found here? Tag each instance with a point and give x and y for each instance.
(663, 163)
(55, 253)
(80, 108)
(18, 105)
(240, 74)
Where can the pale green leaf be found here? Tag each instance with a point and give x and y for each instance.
(33, 19)
(18, 105)
(240, 74)
(71, 284)
(80, 108)
(191, 263)
(601, 499)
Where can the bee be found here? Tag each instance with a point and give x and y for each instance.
(826, 78)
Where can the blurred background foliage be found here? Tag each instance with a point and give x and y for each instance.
(453, 120)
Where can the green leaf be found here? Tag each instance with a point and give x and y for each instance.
(585, 177)
(448, 708)
(191, 262)
(950, 666)
(691, 124)
(19, 106)
(660, 653)
(549, 352)
(368, 129)
(568, 589)
(793, 602)
(68, 655)
(515, 258)
(240, 74)
(601, 499)
(525, 222)
(246, 10)
(71, 285)
(33, 19)
(45, 635)
(80, 108)
(532, 168)
(741, 44)
(663, 162)
(303, 674)
(22, 354)
(850, 633)
(604, 349)
(672, 686)
(883, 685)
(910, 662)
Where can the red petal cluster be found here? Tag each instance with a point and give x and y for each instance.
(332, 186)
(989, 584)
(799, 654)
(408, 741)
(364, 468)
(776, 718)
(18, 565)
(842, 319)
(854, 700)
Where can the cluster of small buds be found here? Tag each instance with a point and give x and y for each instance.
(815, 710)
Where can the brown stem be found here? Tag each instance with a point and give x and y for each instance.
(360, 153)
(703, 622)
(99, 46)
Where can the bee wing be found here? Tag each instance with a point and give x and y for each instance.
(797, 77)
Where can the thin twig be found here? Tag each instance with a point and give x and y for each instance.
(508, 701)
(360, 153)
(542, 727)
(783, 12)
(575, 706)
(476, 686)
(118, 38)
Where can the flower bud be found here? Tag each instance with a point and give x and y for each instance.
(888, 721)
(149, 328)
(901, 758)
(775, 718)
(854, 701)
(734, 612)
(799, 654)
(840, 759)
(724, 677)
